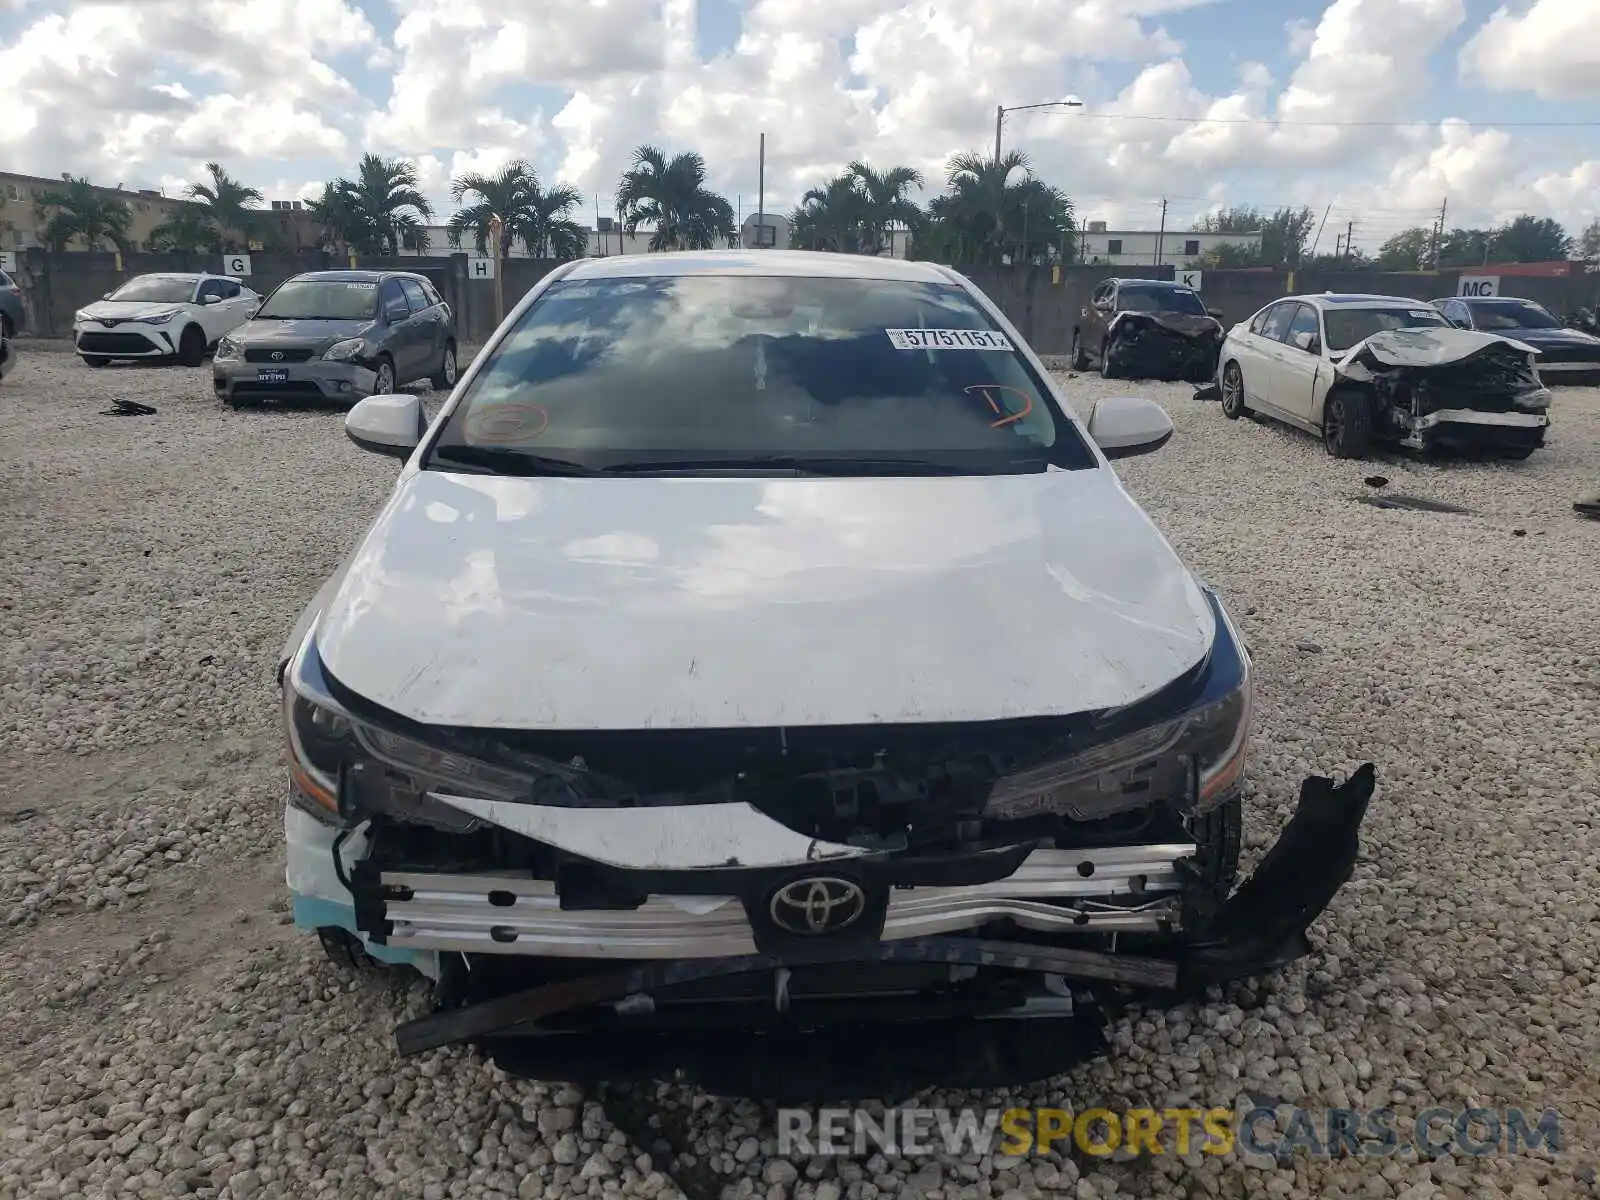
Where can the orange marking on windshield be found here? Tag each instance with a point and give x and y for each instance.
(506, 424)
(987, 388)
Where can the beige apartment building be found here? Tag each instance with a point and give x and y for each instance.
(286, 222)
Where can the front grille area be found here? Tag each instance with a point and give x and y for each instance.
(277, 356)
(114, 343)
(277, 391)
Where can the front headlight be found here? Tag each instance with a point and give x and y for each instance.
(226, 348)
(157, 319)
(79, 317)
(344, 351)
(343, 769)
(1197, 756)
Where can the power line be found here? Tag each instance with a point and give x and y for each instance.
(1101, 116)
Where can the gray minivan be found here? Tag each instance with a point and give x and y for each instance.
(339, 336)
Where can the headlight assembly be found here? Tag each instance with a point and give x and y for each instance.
(1195, 758)
(157, 319)
(226, 348)
(345, 351)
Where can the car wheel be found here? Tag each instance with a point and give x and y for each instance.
(95, 360)
(1080, 360)
(1107, 371)
(192, 347)
(445, 378)
(384, 384)
(1347, 424)
(346, 952)
(1516, 453)
(1233, 405)
(7, 329)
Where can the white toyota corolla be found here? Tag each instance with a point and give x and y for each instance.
(761, 640)
(162, 316)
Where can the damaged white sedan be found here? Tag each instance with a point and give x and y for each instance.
(1358, 370)
(757, 644)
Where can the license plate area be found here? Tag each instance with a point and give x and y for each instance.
(273, 375)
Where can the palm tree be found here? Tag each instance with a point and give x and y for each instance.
(886, 202)
(986, 216)
(187, 227)
(527, 212)
(229, 202)
(80, 211)
(671, 195)
(383, 205)
(829, 218)
(334, 221)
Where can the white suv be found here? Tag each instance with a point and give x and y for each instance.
(177, 316)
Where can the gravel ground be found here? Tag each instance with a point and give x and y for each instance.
(170, 1035)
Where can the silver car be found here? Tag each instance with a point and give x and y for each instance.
(339, 336)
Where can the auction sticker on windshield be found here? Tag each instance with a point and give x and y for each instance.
(948, 339)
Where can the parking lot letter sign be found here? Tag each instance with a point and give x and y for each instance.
(1190, 279)
(8, 261)
(480, 268)
(1478, 285)
(236, 264)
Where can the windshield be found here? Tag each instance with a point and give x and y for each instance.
(154, 289)
(853, 376)
(1347, 326)
(322, 300)
(1512, 314)
(1160, 300)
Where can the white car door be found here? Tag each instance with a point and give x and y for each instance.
(210, 308)
(1262, 375)
(238, 305)
(1301, 364)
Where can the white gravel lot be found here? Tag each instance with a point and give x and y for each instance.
(168, 1034)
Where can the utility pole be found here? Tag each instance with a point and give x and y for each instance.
(1438, 236)
(1001, 110)
(1338, 246)
(1349, 237)
(761, 194)
(1161, 234)
(999, 124)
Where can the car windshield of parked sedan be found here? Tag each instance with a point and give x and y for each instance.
(154, 289)
(322, 300)
(701, 372)
(1159, 300)
(1347, 326)
(1512, 314)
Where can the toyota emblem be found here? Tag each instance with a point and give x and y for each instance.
(277, 356)
(818, 905)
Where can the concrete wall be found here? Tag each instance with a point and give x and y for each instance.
(1043, 305)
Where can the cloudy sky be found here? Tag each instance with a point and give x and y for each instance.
(1477, 101)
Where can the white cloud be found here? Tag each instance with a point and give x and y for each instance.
(142, 90)
(1551, 48)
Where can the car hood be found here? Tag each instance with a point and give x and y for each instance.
(1188, 325)
(316, 334)
(1557, 339)
(561, 603)
(120, 311)
(1421, 348)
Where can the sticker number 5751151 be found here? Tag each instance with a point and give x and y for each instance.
(948, 339)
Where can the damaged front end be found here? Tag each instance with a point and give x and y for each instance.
(612, 904)
(1163, 345)
(1452, 389)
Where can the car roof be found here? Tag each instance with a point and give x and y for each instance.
(809, 264)
(1326, 300)
(350, 276)
(175, 276)
(1169, 284)
(1469, 301)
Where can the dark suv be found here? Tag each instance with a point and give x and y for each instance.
(340, 336)
(1147, 329)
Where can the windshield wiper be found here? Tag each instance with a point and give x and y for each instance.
(505, 460)
(808, 465)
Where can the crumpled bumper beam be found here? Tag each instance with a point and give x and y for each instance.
(1258, 929)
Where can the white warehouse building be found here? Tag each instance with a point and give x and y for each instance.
(1100, 246)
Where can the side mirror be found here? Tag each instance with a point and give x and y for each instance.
(1308, 342)
(1123, 426)
(211, 300)
(391, 425)
(107, 296)
(1214, 312)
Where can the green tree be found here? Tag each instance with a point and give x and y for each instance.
(81, 212)
(994, 211)
(1284, 232)
(332, 215)
(1465, 248)
(1528, 238)
(187, 227)
(884, 202)
(829, 218)
(230, 204)
(1589, 240)
(528, 212)
(1408, 250)
(382, 206)
(671, 196)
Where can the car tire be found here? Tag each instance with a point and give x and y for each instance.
(1107, 371)
(385, 383)
(7, 329)
(192, 347)
(347, 953)
(1233, 405)
(1516, 453)
(94, 360)
(1347, 424)
(445, 378)
(1080, 360)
